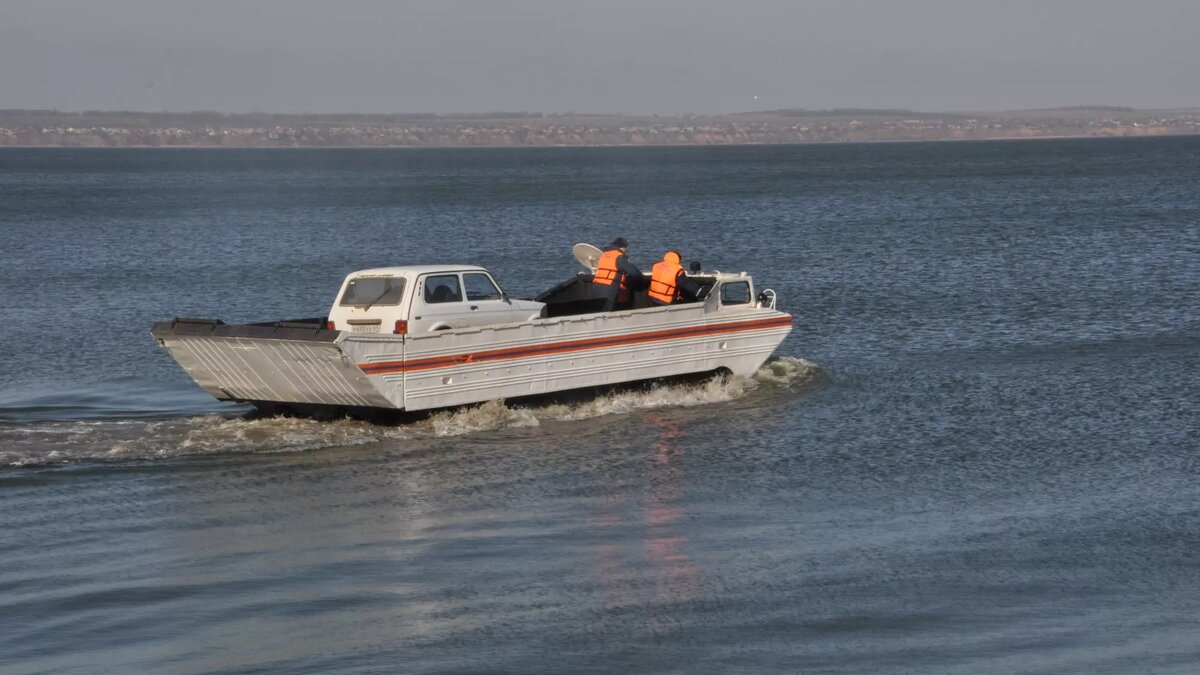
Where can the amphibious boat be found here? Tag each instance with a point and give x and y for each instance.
(406, 339)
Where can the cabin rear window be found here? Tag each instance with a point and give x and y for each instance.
(373, 291)
(442, 288)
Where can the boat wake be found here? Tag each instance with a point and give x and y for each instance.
(56, 443)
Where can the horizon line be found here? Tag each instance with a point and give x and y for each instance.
(488, 114)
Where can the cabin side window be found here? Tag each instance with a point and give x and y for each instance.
(369, 291)
(480, 287)
(735, 293)
(442, 288)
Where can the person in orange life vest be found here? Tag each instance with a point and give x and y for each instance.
(615, 275)
(668, 283)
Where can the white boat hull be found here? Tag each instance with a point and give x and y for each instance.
(312, 366)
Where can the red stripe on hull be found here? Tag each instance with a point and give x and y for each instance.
(430, 363)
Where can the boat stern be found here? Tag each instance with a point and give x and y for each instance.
(281, 363)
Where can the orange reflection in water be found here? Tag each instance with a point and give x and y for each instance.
(652, 571)
(665, 546)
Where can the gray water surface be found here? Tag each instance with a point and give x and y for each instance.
(976, 452)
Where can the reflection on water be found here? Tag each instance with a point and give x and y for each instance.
(642, 562)
(665, 513)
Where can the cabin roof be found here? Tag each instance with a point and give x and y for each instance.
(413, 270)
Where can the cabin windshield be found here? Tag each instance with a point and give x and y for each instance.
(367, 291)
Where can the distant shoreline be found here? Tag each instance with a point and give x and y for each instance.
(49, 128)
(1013, 139)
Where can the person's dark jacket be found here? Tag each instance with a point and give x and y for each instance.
(634, 280)
(688, 288)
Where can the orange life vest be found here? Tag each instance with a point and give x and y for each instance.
(606, 269)
(664, 278)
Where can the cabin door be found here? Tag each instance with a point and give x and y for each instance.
(484, 301)
(438, 303)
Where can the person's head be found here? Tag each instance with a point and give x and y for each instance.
(672, 257)
(620, 244)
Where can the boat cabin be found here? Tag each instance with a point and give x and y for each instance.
(419, 299)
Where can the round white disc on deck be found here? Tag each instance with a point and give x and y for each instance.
(587, 255)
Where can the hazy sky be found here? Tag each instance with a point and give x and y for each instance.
(667, 57)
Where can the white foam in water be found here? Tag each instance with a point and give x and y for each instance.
(486, 417)
(787, 370)
(718, 390)
(65, 442)
(280, 434)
